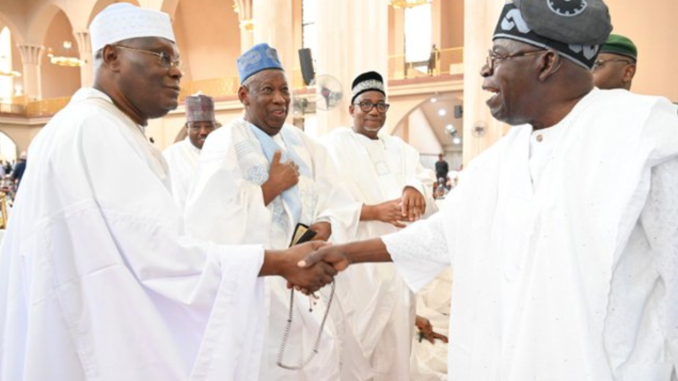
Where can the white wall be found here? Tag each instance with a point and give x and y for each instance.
(421, 135)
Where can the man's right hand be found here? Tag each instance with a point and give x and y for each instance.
(331, 254)
(310, 278)
(281, 177)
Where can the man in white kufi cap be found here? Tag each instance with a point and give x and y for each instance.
(97, 279)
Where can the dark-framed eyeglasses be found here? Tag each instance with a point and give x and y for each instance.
(600, 63)
(367, 106)
(493, 57)
(164, 59)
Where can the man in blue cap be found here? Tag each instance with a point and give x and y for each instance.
(562, 237)
(616, 63)
(260, 180)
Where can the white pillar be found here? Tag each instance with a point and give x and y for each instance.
(273, 25)
(480, 19)
(352, 38)
(30, 57)
(246, 24)
(85, 49)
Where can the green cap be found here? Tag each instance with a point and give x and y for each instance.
(617, 44)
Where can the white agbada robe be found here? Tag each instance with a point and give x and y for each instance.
(182, 160)
(97, 281)
(226, 205)
(378, 305)
(565, 258)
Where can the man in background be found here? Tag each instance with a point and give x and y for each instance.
(20, 168)
(616, 64)
(442, 168)
(182, 157)
(383, 173)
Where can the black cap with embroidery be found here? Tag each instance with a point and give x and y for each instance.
(575, 28)
(582, 22)
(369, 81)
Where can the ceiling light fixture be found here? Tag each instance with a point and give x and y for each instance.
(405, 4)
(8, 72)
(64, 60)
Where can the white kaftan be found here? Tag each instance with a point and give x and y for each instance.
(97, 281)
(182, 160)
(226, 205)
(378, 305)
(565, 258)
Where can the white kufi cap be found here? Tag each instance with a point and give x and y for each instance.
(122, 21)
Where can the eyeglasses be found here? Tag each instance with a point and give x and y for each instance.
(367, 106)
(493, 58)
(164, 59)
(600, 63)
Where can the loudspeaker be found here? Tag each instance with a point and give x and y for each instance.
(307, 71)
(458, 112)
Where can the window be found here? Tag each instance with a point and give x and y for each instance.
(418, 34)
(6, 82)
(308, 27)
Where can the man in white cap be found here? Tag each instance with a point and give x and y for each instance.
(97, 281)
(562, 236)
(182, 157)
(383, 173)
(260, 180)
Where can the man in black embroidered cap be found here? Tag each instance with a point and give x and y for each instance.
(384, 175)
(562, 236)
(616, 64)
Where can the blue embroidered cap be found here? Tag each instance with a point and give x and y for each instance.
(259, 57)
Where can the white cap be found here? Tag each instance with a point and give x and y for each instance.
(121, 21)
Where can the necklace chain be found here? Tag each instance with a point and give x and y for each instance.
(288, 328)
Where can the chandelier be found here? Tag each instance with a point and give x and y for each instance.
(405, 4)
(9, 73)
(64, 60)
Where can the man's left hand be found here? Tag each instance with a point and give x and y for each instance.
(323, 231)
(413, 205)
(426, 330)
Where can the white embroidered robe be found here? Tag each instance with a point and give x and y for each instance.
(97, 281)
(182, 160)
(226, 205)
(379, 306)
(565, 256)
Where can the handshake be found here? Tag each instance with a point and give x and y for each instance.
(309, 266)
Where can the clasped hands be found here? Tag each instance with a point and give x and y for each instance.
(410, 207)
(310, 266)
